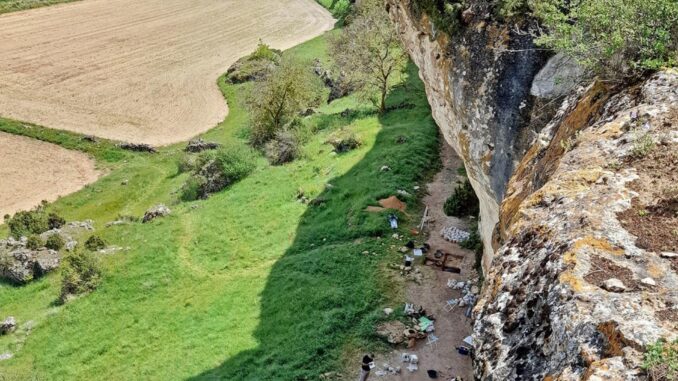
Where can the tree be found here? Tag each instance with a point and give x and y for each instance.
(276, 101)
(617, 39)
(368, 52)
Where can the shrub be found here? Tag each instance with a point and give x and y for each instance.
(343, 140)
(445, 14)
(191, 190)
(55, 221)
(81, 273)
(284, 148)
(25, 223)
(34, 242)
(55, 242)
(95, 243)
(463, 202)
(264, 52)
(661, 360)
(642, 146)
(186, 163)
(215, 170)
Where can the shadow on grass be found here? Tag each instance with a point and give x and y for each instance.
(324, 293)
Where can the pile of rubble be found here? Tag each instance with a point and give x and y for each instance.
(469, 295)
(454, 234)
(199, 145)
(137, 147)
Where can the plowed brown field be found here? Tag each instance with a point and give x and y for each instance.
(32, 171)
(141, 71)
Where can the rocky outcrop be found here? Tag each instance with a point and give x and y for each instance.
(20, 265)
(576, 182)
(568, 294)
(479, 88)
(159, 210)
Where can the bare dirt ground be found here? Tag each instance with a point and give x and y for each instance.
(33, 171)
(451, 327)
(141, 71)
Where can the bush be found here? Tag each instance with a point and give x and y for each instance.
(642, 146)
(343, 140)
(264, 52)
(463, 202)
(95, 243)
(55, 221)
(284, 148)
(215, 170)
(446, 14)
(661, 360)
(614, 38)
(81, 273)
(25, 223)
(55, 242)
(191, 190)
(186, 163)
(34, 242)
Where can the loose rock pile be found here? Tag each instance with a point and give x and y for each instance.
(454, 234)
(137, 147)
(199, 145)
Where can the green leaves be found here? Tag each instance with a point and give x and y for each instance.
(615, 39)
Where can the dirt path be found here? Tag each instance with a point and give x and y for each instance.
(142, 71)
(451, 327)
(33, 171)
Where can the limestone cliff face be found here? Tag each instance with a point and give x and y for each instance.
(579, 199)
(479, 94)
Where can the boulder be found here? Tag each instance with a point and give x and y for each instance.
(155, 212)
(648, 282)
(45, 261)
(7, 326)
(199, 145)
(614, 285)
(21, 265)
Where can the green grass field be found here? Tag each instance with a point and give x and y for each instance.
(248, 285)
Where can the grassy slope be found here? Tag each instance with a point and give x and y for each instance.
(19, 5)
(250, 284)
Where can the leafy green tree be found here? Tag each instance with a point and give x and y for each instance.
(615, 38)
(369, 53)
(276, 102)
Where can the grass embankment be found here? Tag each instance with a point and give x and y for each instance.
(248, 285)
(19, 5)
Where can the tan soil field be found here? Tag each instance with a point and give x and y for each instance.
(33, 171)
(141, 71)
